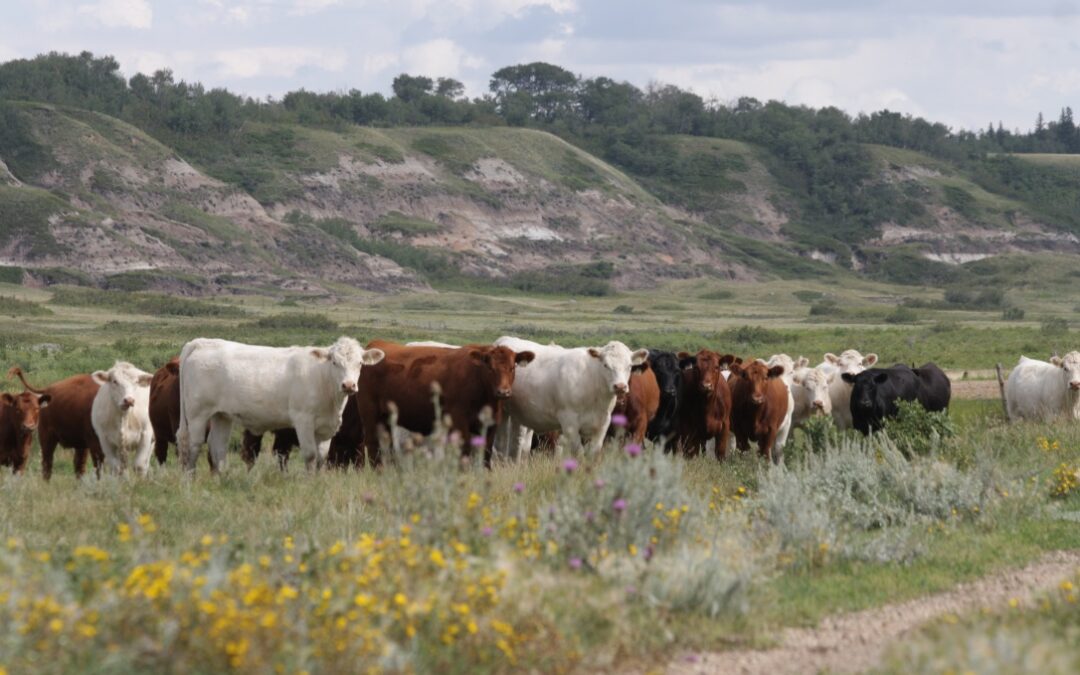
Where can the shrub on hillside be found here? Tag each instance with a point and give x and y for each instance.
(902, 314)
(1012, 314)
(917, 431)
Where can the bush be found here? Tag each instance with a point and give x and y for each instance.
(902, 314)
(623, 309)
(809, 296)
(17, 307)
(11, 275)
(825, 307)
(718, 294)
(142, 303)
(1012, 314)
(750, 335)
(297, 321)
(916, 430)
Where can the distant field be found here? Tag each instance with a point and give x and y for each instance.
(1049, 159)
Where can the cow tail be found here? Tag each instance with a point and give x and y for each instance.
(16, 371)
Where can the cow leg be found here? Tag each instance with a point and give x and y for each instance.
(250, 447)
(218, 439)
(161, 450)
(311, 449)
(722, 441)
(142, 456)
(113, 459)
(97, 457)
(742, 441)
(48, 449)
(80, 461)
(189, 440)
(22, 455)
(767, 447)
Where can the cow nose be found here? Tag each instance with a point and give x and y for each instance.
(128, 402)
(820, 405)
(758, 398)
(621, 388)
(671, 392)
(707, 386)
(1075, 385)
(29, 427)
(503, 393)
(348, 387)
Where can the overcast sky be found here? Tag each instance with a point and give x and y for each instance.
(962, 62)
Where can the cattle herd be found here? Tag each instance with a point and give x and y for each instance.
(341, 404)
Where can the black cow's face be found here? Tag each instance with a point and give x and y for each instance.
(665, 366)
(870, 400)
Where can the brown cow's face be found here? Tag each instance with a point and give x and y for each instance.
(26, 408)
(502, 364)
(704, 368)
(756, 375)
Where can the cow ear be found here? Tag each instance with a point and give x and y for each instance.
(832, 358)
(847, 377)
(173, 367)
(1057, 361)
(321, 354)
(798, 377)
(639, 357)
(736, 368)
(43, 400)
(144, 379)
(100, 376)
(880, 378)
(728, 359)
(802, 362)
(869, 360)
(8, 398)
(640, 367)
(524, 358)
(682, 355)
(594, 352)
(738, 359)
(686, 362)
(372, 356)
(776, 371)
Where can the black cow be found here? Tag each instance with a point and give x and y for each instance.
(669, 377)
(876, 391)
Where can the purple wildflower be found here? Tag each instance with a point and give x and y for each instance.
(589, 515)
(619, 505)
(599, 483)
(633, 449)
(618, 420)
(478, 441)
(519, 487)
(575, 563)
(487, 531)
(569, 465)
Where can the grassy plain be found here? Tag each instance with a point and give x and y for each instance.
(199, 575)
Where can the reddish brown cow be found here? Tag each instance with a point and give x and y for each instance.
(66, 421)
(759, 400)
(19, 416)
(165, 407)
(345, 446)
(705, 404)
(640, 404)
(471, 378)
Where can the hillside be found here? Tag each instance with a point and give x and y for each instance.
(87, 198)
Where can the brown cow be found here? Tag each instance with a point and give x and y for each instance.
(759, 400)
(19, 415)
(66, 421)
(640, 404)
(705, 404)
(345, 446)
(471, 378)
(165, 407)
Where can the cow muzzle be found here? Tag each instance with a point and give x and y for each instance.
(819, 405)
(758, 399)
(348, 387)
(620, 389)
(29, 427)
(127, 403)
(503, 393)
(1075, 386)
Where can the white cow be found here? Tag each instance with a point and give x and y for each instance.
(1043, 391)
(567, 390)
(787, 378)
(431, 343)
(120, 415)
(811, 394)
(850, 361)
(263, 389)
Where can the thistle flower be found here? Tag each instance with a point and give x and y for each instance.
(618, 420)
(570, 465)
(619, 505)
(633, 449)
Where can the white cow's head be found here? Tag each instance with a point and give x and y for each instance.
(616, 360)
(346, 357)
(816, 383)
(789, 365)
(122, 383)
(851, 361)
(1070, 365)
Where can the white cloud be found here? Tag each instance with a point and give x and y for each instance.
(374, 64)
(119, 13)
(439, 57)
(277, 61)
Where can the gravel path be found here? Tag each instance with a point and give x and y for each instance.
(851, 643)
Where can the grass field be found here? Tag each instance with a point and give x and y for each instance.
(429, 566)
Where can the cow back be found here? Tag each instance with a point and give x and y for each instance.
(935, 389)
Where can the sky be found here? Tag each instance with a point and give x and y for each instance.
(966, 63)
